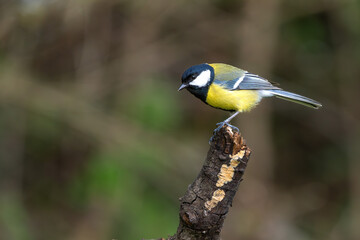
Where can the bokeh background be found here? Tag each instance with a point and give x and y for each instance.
(96, 142)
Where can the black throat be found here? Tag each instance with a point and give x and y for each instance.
(200, 93)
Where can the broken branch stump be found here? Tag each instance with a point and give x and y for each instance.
(206, 203)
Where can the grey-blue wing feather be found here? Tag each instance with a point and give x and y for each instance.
(255, 82)
(242, 80)
(228, 77)
(227, 84)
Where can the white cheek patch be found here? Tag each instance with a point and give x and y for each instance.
(202, 79)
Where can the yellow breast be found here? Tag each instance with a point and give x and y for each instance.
(237, 100)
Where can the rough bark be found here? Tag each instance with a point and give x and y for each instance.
(206, 203)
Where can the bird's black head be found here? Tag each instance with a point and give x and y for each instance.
(197, 79)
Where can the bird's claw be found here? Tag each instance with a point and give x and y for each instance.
(221, 125)
(234, 128)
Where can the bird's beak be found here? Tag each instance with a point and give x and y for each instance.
(182, 86)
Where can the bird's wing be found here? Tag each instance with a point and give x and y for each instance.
(254, 82)
(244, 81)
(234, 78)
(225, 72)
(227, 75)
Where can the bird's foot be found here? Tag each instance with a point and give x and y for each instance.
(221, 125)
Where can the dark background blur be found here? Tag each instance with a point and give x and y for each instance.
(96, 142)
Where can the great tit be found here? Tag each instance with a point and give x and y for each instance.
(233, 89)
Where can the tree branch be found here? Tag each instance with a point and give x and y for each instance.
(206, 203)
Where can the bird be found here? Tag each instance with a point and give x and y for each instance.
(233, 89)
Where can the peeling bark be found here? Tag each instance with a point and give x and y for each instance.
(206, 203)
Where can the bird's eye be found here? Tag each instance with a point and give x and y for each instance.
(193, 76)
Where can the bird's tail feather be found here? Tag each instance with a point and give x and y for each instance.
(289, 96)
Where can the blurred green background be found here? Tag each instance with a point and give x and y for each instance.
(96, 142)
